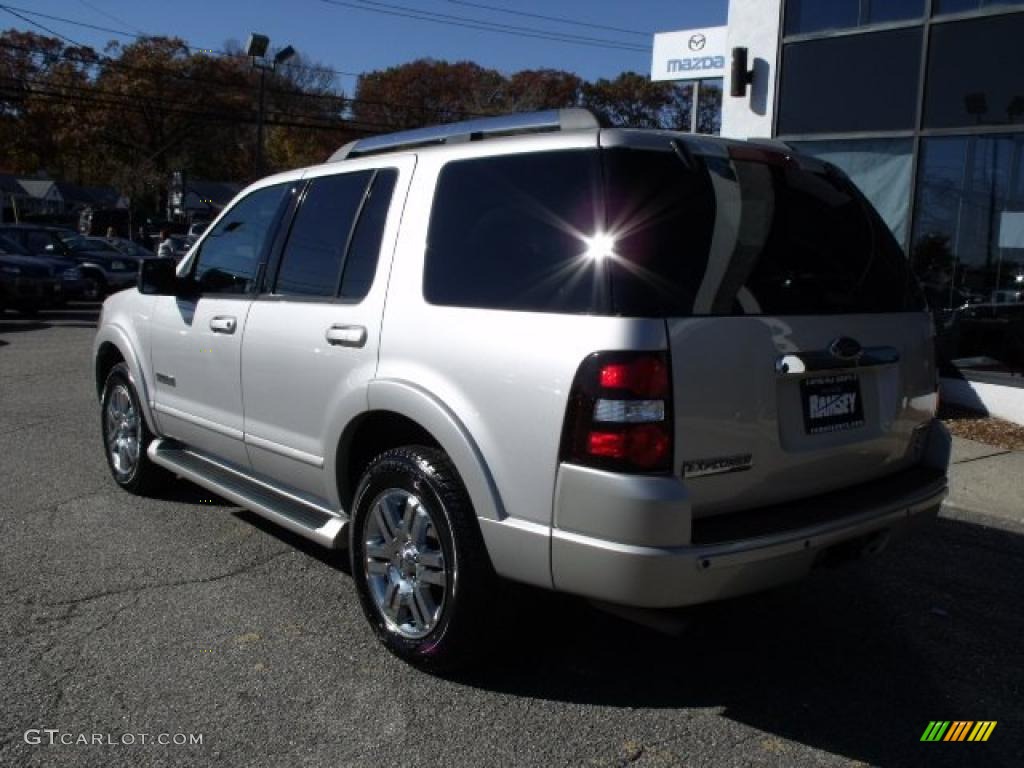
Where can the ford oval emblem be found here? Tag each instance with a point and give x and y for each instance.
(845, 348)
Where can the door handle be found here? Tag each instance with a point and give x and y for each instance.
(223, 324)
(346, 335)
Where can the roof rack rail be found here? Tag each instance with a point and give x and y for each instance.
(572, 119)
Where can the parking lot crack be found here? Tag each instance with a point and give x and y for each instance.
(171, 584)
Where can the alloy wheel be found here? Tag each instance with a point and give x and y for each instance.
(405, 565)
(123, 427)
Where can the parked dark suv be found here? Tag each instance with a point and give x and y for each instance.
(26, 284)
(102, 271)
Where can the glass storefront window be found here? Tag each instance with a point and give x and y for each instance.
(960, 6)
(804, 16)
(974, 73)
(709, 107)
(852, 83)
(881, 169)
(968, 250)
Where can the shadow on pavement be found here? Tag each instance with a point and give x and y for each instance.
(71, 316)
(6, 326)
(855, 661)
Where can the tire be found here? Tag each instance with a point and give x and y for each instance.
(94, 288)
(126, 436)
(415, 543)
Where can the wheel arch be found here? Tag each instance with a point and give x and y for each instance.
(111, 347)
(402, 413)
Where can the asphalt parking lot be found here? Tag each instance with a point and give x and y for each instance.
(185, 615)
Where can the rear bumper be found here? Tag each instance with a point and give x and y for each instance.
(738, 556)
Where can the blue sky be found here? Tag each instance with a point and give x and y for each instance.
(356, 39)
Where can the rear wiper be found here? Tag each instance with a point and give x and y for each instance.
(683, 153)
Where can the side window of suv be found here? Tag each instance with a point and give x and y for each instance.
(38, 241)
(512, 232)
(335, 238)
(232, 252)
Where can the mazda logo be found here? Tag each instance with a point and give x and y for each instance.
(697, 42)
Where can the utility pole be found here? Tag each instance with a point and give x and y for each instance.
(256, 50)
(259, 123)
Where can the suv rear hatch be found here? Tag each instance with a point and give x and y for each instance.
(801, 348)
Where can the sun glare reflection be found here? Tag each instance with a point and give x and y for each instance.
(599, 247)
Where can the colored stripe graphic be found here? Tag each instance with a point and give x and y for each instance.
(958, 730)
(982, 730)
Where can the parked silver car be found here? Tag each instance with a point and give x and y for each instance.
(648, 368)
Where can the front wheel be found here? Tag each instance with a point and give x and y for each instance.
(126, 436)
(418, 560)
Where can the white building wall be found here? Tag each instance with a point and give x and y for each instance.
(754, 25)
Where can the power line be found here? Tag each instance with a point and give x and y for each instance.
(122, 105)
(557, 19)
(140, 36)
(71, 93)
(42, 27)
(446, 19)
(100, 11)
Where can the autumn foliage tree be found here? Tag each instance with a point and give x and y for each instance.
(131, 114)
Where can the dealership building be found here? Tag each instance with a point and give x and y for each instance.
(921, 103)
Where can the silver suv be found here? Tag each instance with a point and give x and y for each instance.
(648, 368)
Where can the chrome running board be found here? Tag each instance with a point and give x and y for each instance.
(298, 515)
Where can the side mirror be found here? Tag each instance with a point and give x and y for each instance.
(157, 277)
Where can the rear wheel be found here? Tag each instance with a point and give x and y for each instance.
(126, 436)
(418, 559)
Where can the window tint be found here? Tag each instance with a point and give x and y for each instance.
(803, 16)
(361, 264)
(312, 261)
(791, 241)
(881, 169)
(7, 245)
(810, 243)
(974, 73)
(959, 6)
(798, 241)
(660, 215)
(232, 252)
(37, 241)
(852, 83)
(510, 233)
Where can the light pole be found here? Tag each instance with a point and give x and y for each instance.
(257, 51)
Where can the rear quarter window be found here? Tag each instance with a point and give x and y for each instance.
(508, 232)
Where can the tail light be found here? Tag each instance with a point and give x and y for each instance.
(619, 415)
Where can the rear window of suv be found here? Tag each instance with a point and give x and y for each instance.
(650, 233)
